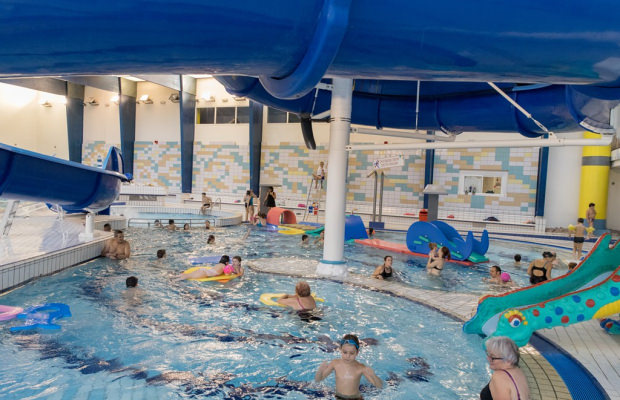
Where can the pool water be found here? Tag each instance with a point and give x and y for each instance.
(195, 340)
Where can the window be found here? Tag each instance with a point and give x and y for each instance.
(485, 183)
(225, 115)
(243, 115)
(205, 115)
(275, 116)
(293, 118)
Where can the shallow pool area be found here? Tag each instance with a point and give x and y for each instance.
(191, 339)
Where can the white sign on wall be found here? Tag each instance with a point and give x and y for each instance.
(389, 162)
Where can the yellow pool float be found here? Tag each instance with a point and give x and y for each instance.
(218, 278)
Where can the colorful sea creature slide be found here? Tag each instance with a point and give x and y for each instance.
(590, 291)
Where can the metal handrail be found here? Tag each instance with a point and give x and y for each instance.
(217, 201)
(192, 221)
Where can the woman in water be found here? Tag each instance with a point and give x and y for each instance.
(435, 267)
(507, 381)
(221, 268)
(302, 300)
(540, 269)
(385, 270)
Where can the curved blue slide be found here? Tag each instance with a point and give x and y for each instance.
(30, 176)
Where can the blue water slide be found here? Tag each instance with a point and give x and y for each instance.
(26, 175)
(354, 228)
(454, 107)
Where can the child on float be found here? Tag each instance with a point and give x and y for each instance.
(221, 268)
(348, 370)
(433, 253)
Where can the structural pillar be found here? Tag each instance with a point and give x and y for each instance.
(256, 140)
(75, 120)
(429, 168)
(595, 164)
(127, 120)
(333, 263)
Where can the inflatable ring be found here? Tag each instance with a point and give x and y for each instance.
(218, 278)
(271, 299)
(8, 312)
(290, 231)
(42, 317)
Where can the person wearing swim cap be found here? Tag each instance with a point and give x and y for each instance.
(348, 371)
(200, 273)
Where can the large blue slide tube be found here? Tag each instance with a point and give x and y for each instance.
(529, 41)
(25, 175)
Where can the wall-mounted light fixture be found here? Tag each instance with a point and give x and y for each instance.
(91, 101)
(145, 99)
(45, 103)
(239, 98)
(206, 98)
(115, 99)
(174, 98)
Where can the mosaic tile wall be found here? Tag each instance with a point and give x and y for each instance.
(520, 163)
(293, 165)
(158, 164)
(221, 168)
(93, 153)
(224, 168)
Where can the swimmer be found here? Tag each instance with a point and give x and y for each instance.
(517, 260)
(348, 371)
(384, 270)
(321, 239)
(207, 225)
(161, 253)
(158, 224)
(435, 267)
(221, 268)
(495, 273)
(107, 227)
(433, 254)
(371, 232)
(305, 240)
(186, 227)
(117, 248)
(211, 239)
(171, 226)
(131, 282)
(302, 300)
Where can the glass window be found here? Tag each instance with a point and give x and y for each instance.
(243, 115)
(205, 115)
(225, 115)
(483, 182)
(275, 116)
(293, 118)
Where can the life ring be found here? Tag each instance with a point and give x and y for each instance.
(42, 317)
(290, 231)
(9, 312)
(271, 299)
(218, 278)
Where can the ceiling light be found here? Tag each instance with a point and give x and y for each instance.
(115, 99)
(45, 103)
(145, 99)
(91, 101)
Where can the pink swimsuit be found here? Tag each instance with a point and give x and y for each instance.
(229, 269)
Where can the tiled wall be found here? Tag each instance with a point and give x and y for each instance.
(158, 164)
(221, 168)
(224, 169)
(520, 163)
(94, 153)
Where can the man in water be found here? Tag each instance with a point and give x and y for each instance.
(118, 248)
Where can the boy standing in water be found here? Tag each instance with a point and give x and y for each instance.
(579, 238)
(348, 371)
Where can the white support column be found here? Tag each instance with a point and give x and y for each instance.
(89, 228)
(333, 263)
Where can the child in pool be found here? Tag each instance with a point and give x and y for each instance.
(348, 371)
(221, 268)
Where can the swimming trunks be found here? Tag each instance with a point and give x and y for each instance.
(579, 239)
(339, 396)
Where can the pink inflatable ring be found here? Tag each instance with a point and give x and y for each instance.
(8, 312)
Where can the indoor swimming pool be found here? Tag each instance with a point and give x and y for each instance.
(194, 340)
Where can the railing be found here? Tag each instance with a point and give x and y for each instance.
(179, 222)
